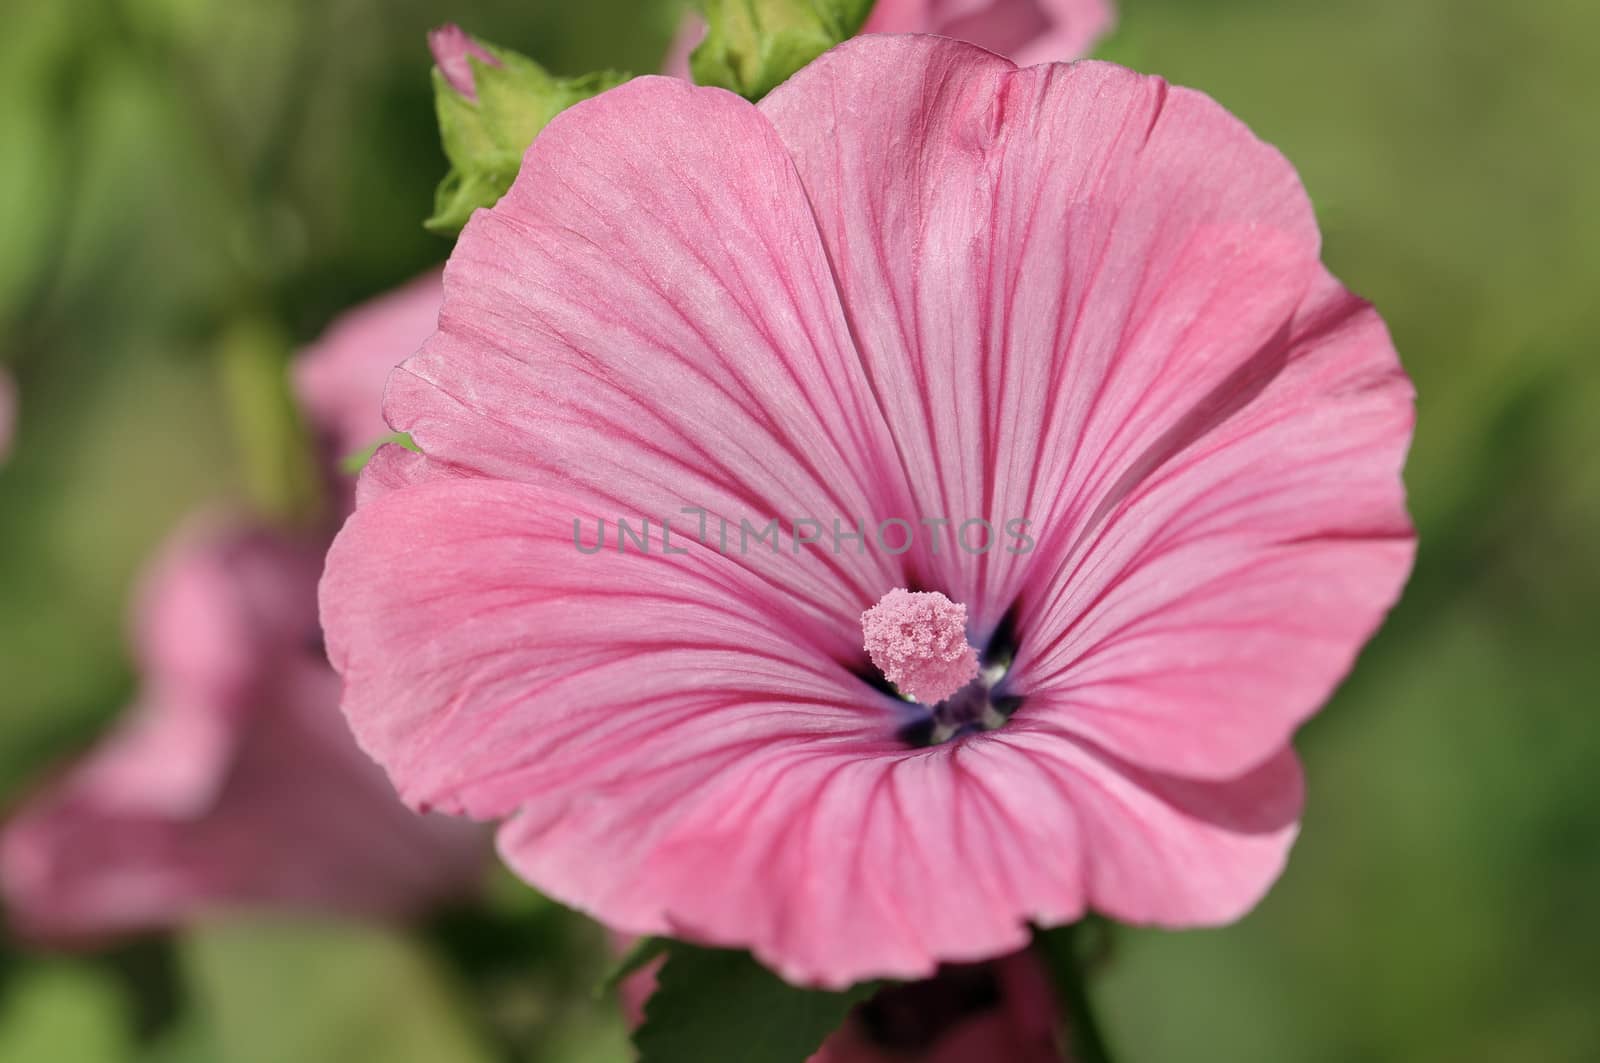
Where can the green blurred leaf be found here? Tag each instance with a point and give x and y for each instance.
(64, 1013)
(715, 1004)
(187, 1041)
(275, 989)
(280, 465)
(485, 138)
(1068, 952)
(753, 46)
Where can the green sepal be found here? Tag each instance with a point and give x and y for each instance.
(484, 138)
(753, 46)
(352, 464)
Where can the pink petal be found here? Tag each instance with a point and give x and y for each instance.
(393, 467)
(1044, 269)
(691, 31)
(339, 379)
(1224, 591)
(1165, 850)
(218, 605)
(674, 765)
(1027, 31)
(647, 318)
(453, 50)
(507, 664)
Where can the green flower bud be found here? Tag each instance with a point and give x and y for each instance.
(491, 103)
(752, 46)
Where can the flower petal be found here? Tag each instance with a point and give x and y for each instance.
(506, 664)
(647, 317)
(339, 379)
(1164, 850)
(1229, 586)
(1028, 31)
(674, 760)
(300, 819)
(834, 867)
(234, 782)
(1044, 271)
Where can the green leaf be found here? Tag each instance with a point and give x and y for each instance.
(354, 463)
(485, 137)
(1068, 951)
(275, 447)
(753, 46)
(313, 991)
(715, 1004)
(65, 1013)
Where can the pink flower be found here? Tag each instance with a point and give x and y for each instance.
(1028, 31)
(1001, 1010)
(453, 49)
(915, 284)
(339, 379)
(233, 781)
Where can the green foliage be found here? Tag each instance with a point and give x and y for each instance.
(753, 46)
(64, 1013)
(485, 138)
(1068, 952)
(279, 464)
(275, 989)
(352, 464)
(716, 1004)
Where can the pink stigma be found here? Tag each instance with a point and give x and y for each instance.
(918, 640)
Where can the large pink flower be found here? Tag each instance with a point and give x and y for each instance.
(233, 781)
(915, 284)
(1028, 31)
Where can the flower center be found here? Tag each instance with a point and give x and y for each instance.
(918, 640)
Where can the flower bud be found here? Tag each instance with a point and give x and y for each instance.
(491, 103)
(453, 51)
(752, 46)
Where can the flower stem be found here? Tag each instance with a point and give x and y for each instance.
(278, 460)
(1064, 950)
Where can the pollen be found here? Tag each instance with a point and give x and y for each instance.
(918, 640)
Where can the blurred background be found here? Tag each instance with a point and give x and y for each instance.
(176, 174)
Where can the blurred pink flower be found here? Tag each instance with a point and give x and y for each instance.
(917, 284)
(1003, 1010)
(452, 49)
(233, 780)
(339, 378)
(1027, 31)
